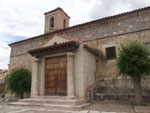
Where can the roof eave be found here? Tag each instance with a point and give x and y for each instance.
(68, 46)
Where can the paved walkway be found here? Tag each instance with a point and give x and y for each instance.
(95, 107)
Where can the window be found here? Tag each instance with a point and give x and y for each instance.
(110, 52)
(52, 22)
(64, 23)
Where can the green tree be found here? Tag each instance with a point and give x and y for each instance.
(134, 61)
(18, 81)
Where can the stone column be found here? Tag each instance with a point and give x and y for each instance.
(34, 85)
(42, 77)
(70, 74)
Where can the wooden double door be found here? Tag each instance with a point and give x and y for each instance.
(56, 76)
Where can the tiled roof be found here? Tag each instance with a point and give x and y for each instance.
(68, 44)
(3, 71)
(64, 37)
(70, 39)
(87, 23)
(54, 46)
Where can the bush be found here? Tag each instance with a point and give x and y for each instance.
(18, 81)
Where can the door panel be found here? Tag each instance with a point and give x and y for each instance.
(56, 76)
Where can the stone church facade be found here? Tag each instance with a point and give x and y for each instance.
(76, 49)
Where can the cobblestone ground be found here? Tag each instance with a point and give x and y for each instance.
(112, 106)
(95, 107)
(117, 107)
(4, 108)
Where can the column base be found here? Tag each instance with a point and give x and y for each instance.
(33, 96)
(70, 96)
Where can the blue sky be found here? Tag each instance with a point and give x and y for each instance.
(21, 19)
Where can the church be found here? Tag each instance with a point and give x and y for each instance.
(66, 60)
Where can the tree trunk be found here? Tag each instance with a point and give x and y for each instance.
(137, 89)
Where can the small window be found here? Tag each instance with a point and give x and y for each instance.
(111, 52)
(52, 22)
(64, 23)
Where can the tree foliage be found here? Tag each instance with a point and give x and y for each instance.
(18, 81)
(133, 59)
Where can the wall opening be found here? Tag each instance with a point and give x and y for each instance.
(64, 23)
(52, 22)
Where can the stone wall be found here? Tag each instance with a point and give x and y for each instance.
(23, 48)
(108, 69)
(78, 73)
(89, 70)
(84, 71)
(21, 61)
(113, 27)
(107, 80)
(121, 86)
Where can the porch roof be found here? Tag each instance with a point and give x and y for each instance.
(56, 48)
(68, 46)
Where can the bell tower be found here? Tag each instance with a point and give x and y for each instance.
(55, 20)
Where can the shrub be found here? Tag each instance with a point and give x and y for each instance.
(18, 81)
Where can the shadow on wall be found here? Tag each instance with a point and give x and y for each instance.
(121, 86)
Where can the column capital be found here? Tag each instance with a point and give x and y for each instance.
(37, 60)
(70, 54)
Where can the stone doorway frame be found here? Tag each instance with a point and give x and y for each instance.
(38, 75)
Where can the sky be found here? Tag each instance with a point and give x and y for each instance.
(22, 19)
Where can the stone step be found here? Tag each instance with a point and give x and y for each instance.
(55, 97)
(49, 106)
(49, 111)
(39, 111)
(51, 101)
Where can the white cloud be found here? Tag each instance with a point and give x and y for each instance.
(4, 55)
(103, 8)
(24, 18)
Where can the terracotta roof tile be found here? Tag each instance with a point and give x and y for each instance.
(54, 46)
(3, 71)
(69, 42)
